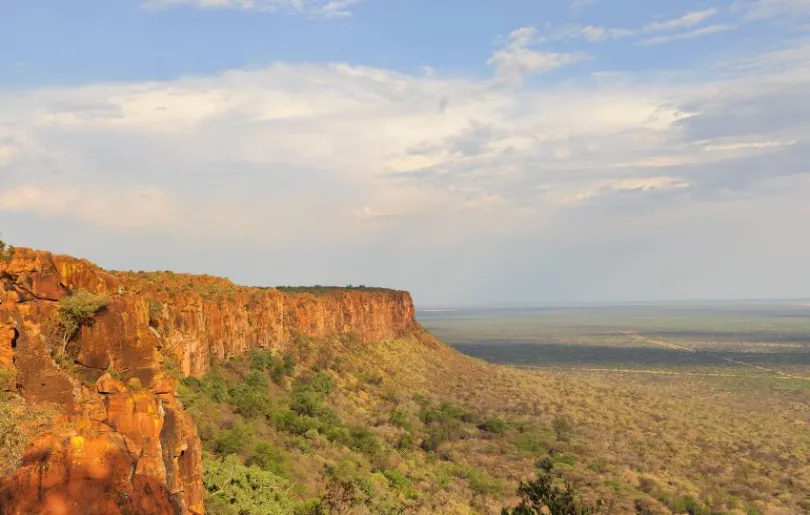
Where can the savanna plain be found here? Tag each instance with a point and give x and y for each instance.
(686, 408)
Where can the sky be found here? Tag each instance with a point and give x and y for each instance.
(471, 152)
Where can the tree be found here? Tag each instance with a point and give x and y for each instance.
(543, 493)
(234, 488)
(76, 311)
(6, 251)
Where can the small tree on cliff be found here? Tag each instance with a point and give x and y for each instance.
(6, 251)
(77, 310)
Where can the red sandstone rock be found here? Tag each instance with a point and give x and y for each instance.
(137, 451)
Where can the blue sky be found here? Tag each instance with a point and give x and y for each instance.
(471, 152)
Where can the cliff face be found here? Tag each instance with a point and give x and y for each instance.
(130, 448)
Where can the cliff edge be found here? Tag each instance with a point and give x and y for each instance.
(124, 443)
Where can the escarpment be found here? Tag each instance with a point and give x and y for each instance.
(124, 443)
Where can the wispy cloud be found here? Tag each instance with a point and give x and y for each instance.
(692, 34)
(686, 21)
(578, 6)
(516, 59)
(761, 9)
(598, 34)
(317, 8)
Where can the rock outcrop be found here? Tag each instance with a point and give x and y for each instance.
(127, 446)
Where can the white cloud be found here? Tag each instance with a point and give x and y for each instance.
(138, 208)
(686, 21)
(372, 164)
(598, 34)
(692, 34)
(320, 8)
(761, 9)
(517, 60)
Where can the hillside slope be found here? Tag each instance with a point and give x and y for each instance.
(139, 442)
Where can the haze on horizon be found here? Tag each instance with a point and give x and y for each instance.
(489, 153)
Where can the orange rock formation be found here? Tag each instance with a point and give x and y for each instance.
(134, 450)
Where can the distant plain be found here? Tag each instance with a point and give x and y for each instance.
(718, 339)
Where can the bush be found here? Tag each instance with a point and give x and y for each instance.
(214, 386)
(322, 383)
(400, 484)
(251, 401)
(265, 360)
(234, 488)
(480, 482)
(19, 423)
(77, 310)
(291, 422)
(399, 418)
(542, 494)
(494, 425)
(307, 403)
(268, 458)
(234, 441)
(562, 428)
(533, 442)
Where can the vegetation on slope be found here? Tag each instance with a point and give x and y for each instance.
(409, 426)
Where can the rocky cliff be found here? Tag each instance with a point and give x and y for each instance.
(125, 445)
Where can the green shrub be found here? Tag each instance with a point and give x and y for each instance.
(234, 488)
(494, 425)
(291, 422)
(399, 418)
(438, 434)
(251, 401)
(214, 386)
(77, 310)
(405, 442)
(322, 383)
(268, 458)
(533, 442)
(233, 441)
(400, 484)
(307, 403)
(562, 428)
(542, 494)
(688, 504)
(480, 482)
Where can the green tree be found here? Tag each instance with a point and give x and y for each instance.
(543, 493)
(77, 310)
(234, 488)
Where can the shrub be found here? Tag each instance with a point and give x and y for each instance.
(480, 482)
(400, 483)
(268, 458)
(19, 423)
(234, 441)
(494, 425)
(289, 421)
(214, 386)
(307, 403)
(251, 401)
(399, 418)
(562, 427)
(322, 384)
(235, 488)
(533, 442)
(155, 312)
(542, 494)
(77, 310)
